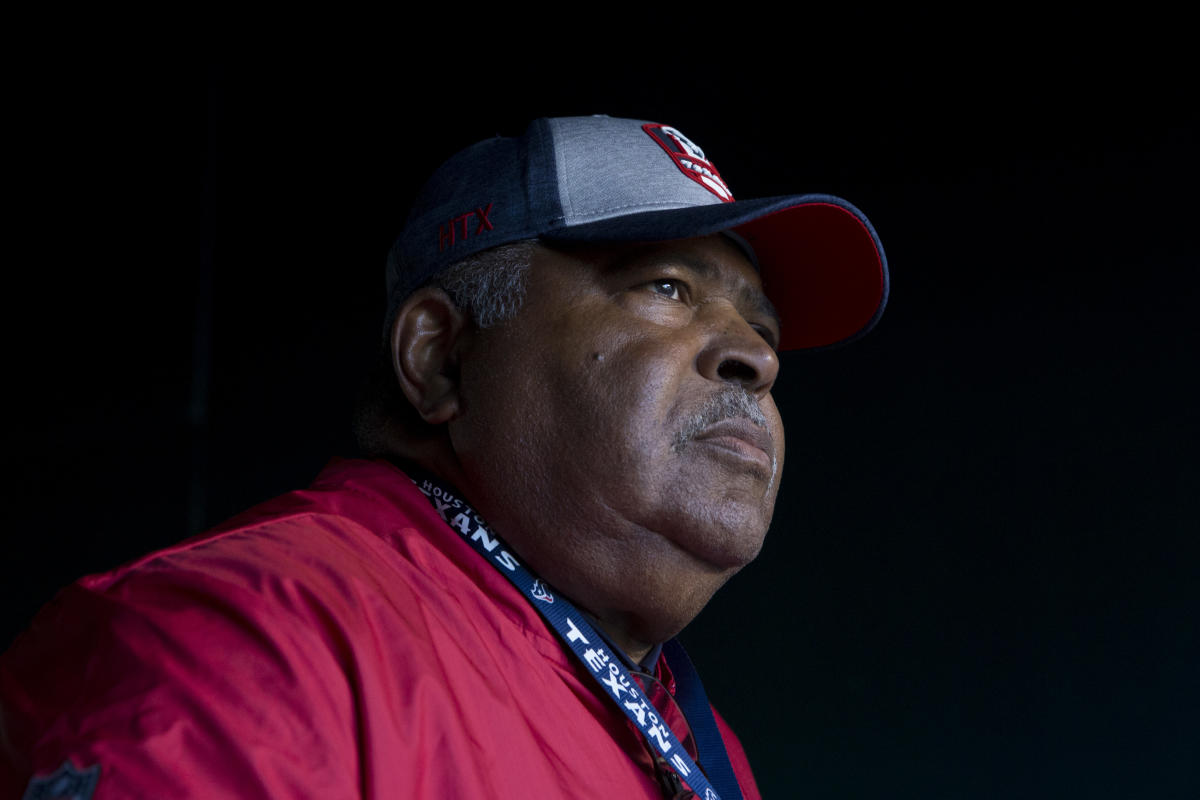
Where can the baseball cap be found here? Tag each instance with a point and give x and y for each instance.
(606, 179)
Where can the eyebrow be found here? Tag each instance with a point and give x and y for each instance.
(754, 298)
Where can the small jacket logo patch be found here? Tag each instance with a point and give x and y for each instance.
(65, 783)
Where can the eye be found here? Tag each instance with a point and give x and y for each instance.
(768, 336)
(668, 287)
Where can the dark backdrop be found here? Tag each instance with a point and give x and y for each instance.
(982, 576)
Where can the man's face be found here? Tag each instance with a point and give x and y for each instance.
(620, 432)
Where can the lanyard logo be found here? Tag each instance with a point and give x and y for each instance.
(540, 592)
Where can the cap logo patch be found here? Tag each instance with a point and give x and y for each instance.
(689, 158)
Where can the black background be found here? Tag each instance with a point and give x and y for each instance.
(982, 576)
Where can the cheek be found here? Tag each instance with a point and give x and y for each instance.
(502, 398)
(592, 395)
(616, 408)
(636, 381)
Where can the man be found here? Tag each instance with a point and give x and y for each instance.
(576, 446)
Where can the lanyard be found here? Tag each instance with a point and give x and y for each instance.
(605, 667)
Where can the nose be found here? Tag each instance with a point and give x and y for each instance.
(736, 353)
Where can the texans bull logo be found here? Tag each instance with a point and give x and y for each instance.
(540, 591)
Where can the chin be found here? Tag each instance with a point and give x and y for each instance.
(734, 553)
(726, 535)
(722, 542)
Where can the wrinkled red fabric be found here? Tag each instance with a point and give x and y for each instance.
(337, 642)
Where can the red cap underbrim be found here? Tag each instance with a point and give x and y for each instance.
(824, 270)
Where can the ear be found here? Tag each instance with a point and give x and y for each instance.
(426, 339)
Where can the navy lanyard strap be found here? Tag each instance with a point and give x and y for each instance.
(689, 694)
(604, 666)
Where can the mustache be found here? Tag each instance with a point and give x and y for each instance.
(729, 403)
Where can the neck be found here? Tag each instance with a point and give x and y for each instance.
(623, 629)
(635, 649)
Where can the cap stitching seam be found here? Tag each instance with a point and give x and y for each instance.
(638, 205)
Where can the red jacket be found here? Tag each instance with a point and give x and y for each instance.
(338, 642)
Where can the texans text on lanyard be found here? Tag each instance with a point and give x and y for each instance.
(448, 505)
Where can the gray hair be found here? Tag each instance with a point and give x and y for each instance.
(488, 286)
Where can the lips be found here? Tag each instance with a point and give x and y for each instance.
(741, 437)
